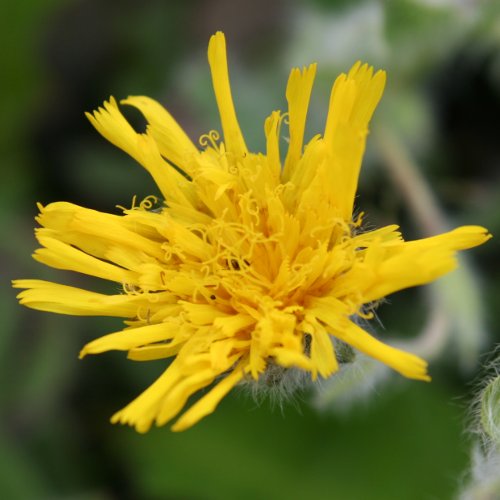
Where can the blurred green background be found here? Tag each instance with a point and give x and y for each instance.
(441, 112)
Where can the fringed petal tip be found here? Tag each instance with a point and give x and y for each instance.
(85, 351)
(16, 284)
(141, 425)
(471, 236)
(25, 296)
(217, 48)
(111, 102)
(415, 368)
(217, 39)
(362, 71)
(143, 412)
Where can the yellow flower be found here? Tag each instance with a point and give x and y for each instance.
(252, 266)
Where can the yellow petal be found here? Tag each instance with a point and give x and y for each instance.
(461, 238)
(176, 399)
(322, 351)
(407, 364)
(289, 358)
(187, 240)
(172, 141)
(298, 93)
(141, 412)
(352, 103)
(112, 125)
(63, 256)
(232, 324)
(217, 59)
(272, 131)
(208, 403)
(338, 325)
(416, 262)
(62, 299)
(152, 352)
(133, 337)
(202, 314)
(92, 231)
(200, 377)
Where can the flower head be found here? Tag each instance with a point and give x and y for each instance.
(252, 266)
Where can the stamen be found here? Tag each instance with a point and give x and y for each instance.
(123, 209)
(211, 138)
(149, 202)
